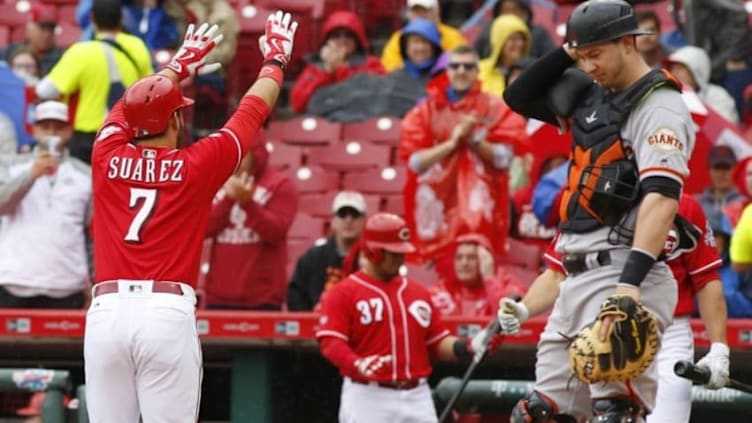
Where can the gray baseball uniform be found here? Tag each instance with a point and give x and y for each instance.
(660, 133)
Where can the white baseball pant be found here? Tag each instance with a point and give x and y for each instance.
(579, 301)
(373, 404)
(673, 403)
(142, 356)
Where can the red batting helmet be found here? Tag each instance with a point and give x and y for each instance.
(149, 103)
(385, 231)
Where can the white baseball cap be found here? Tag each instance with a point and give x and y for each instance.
(351, 199)
(427, 4)
(51, 110)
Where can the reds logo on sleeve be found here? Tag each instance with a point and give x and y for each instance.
(421, 311)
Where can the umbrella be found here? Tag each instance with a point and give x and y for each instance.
(710, 129)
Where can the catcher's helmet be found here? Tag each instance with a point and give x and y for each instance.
(598, 21)
(149, 103)
(385, 231)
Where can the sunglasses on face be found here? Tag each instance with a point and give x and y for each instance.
(467, 66)
(344, 212)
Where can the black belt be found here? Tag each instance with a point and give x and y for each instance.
(579, 263)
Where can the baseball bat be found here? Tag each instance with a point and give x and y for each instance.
(701, 375)
(492, 329)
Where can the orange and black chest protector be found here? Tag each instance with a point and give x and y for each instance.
(603, 182)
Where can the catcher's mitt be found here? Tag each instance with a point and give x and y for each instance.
(630, 347)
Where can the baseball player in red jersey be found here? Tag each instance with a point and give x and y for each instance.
(696, 272)
(152, 202)
(381, 331)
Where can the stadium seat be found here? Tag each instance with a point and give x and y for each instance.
(67, 33)
(394, 204)
(521, 254)
(321, 205)
(386, 181)
(67, 13)
(284, 156)
(380, 130)
(306, 227)
(296, 248)
(351, 155)
(424, 274)
(305, 130)
(313, 179)
(251, 18)
(12, 16)
(4, 36)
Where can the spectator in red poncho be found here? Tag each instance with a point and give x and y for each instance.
(458, 145)
(343, 53)
(249, 222)
(471, 284)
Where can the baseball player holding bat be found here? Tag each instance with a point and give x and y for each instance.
(632, 137)
(381, 331)
(152, 202)
(696, 272)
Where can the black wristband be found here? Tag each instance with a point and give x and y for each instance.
(461, 351)
(636, 268)
(274, 62)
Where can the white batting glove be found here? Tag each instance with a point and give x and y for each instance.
(717, 361)
(190, 59)
(511, 315)
(370, 365)
(276, 43)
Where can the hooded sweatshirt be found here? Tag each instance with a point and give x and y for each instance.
(314, 76)
(248, 259)
(492, 78)
(697, 62)
(392, 56)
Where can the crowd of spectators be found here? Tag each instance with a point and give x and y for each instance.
(471, 165)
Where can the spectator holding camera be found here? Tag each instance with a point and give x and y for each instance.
(45, 203)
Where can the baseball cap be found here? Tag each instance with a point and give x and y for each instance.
(43, 15)
(34, 407)
(51, 110)
(352, 199)
(426, 4)
(721, 155)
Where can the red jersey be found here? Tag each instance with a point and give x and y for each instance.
(692, 270)
(376, 317)
(152, 204)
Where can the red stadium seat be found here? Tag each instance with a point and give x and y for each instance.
(305, 131)
(424, 274)
(352, 155)
(380, 130)
(521, 254)
(321, 205)
(283, 156)
(313, 179)
(4, 36)
(12, 16)
(394, 204)
(67, 13)
(67, 33)
(306, 227)
(251, 18)
(296, 248)
(388, 180)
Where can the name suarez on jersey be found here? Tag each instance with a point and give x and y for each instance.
(145, 170)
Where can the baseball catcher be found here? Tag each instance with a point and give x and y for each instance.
(630, 345)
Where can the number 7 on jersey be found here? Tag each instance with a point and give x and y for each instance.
(149, 197)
